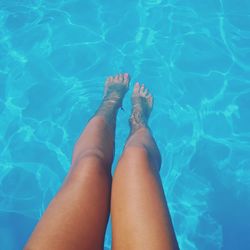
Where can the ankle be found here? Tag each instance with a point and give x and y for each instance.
(137, 121)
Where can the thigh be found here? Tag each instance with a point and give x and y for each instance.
(140, 217)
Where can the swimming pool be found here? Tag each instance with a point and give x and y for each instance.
(194, 56)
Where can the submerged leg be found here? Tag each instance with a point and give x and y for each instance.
(139, 212)
(77, 217)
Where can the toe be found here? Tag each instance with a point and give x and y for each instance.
(150, 100)
(120, 77)
(136, 88)
(109, 79)
(126, 78)
(116, 79)
(142, 89)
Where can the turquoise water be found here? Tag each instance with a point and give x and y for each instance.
(195, 58)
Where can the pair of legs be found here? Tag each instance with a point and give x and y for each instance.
(77, 216)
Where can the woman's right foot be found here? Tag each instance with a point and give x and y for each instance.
(142, 102)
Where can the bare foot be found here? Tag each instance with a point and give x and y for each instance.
(142, 102)
(116, 87)
(114, 91)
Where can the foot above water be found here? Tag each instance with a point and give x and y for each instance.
(142, 102)
(114, 91)
(115, 88)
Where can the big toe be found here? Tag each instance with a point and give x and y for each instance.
(126, 78)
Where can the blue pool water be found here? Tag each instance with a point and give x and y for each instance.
(195, 58)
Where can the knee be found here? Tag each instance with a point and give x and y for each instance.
(141, 156)
(95, 154)
(88, 167)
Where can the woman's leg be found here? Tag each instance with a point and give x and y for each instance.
(77, 217)
(139, 213)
